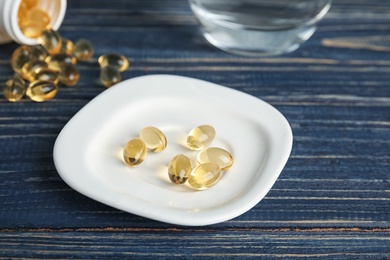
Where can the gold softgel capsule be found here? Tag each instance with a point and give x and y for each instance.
(41, 90)
(109, 76)
(216, 155)
(83, 49)
(204, 176)
(200, 137)
(154, 138)
(116, 61)
(134, 152)
(14, 88)
(179, 169)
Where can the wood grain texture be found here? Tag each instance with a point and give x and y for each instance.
(332, 200)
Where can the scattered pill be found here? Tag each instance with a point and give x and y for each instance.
(14, 88)
(216, 155)
(83, 50)
(134, 152)
(40, 91)
(204, 176)
(179, 169)
(119, 62)
(200, 137)
(109, 76)
(154, 138)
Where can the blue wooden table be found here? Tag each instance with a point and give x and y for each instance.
(332, 200)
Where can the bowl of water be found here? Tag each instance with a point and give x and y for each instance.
(259, 27)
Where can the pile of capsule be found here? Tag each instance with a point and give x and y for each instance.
(39, 69)
(212, 161)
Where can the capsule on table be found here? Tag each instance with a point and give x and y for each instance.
(200, 137)
(51, 41)
(134, 152)
(204, 176)
(179, 169)
(109, 76)
(216, 155)
(119, 62)
(47, 74)
(69, 75)
(67, 46)
(154, 138)
(19, 57)
(83, 49)
(57, 61)
(32, 67)
(40, 90)
(38, 53)
(14, 88)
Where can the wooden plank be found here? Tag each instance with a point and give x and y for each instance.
(189, 244)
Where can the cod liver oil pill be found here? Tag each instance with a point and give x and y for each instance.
(32, 67)
(179, 169)
(30, 3)
(204, 176)
(47, 74)
(134, 152)
(19, 57)
(22, 12)
(109, 76)
(216, 155)
(83, 50)
(51, 41)
(154, 139)
(67, 46)
(57, 61)
(34, 22)
(38, 53)
(119, 62)
(40, 91)
(69, 75)
(14, 88)
(200, 137)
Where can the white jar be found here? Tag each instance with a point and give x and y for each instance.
(9, 28)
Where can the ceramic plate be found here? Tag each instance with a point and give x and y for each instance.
(88, 151)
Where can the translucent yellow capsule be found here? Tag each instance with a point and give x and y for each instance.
(40, 91)
(19, 57)
(154, 139)
(200, 137)
(109, 76)
(47, 74)
(22, 13)
(31, 68)
(204, 176)
(51, 41)
(67, 46)
(32, 30)
(34, 22)
(134, 152)
(57, 61)
(83, 50)
(38, 53)
(179, 169)
(216, 155)
(69, 75)
(30, 3)
(119, 62)
(14, 88)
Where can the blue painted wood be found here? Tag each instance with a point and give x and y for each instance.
(332, 200)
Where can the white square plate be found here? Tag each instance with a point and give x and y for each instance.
(88, 151)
